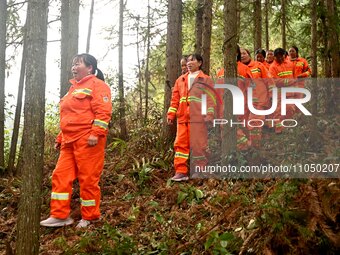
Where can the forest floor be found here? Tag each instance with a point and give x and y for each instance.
(145, 213)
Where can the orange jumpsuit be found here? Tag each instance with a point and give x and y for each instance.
(191, 128)
(85, 110)
(283, 75)
(262, 89)
(244, 76)
(301, 70)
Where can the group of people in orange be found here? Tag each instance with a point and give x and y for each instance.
(85, 112)
(270, 69)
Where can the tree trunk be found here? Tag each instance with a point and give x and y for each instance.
(206, 36)
(147, 73)
(283, 25)
(229, 51)
(314, 37)
(69, 41)
(3, 18)
(173, 57)
(326, 57)
(238, 20)
(267, 23)
(16, 125)
(333, 39)
(314, 41)
(199, 25)
(140, 107)
(122, 120)
(257, 25)
(28, 228)
(90, 28)
(334, 53)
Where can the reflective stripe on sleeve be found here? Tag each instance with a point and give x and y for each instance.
(194, 99)
(100, 123)
(256, 70)
(285, 73)
(172, 109)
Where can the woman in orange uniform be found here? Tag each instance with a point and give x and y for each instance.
(184, 68)
(282, 70)
(85, 112)
(260, 56)
(186, 102)
(244, 77)
(269, 58)
(301, 68)
(262, 88)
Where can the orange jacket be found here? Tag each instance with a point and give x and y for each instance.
(86, 108)
(182, 97)
(283, 73)
(301, 68)
(266, 64)
(261, 76)
(244, 77)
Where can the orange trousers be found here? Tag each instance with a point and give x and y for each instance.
(255, 128)
(192, 136)
(290, 111)
(78, 160)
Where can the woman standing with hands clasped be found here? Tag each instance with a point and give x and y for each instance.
(85, 112)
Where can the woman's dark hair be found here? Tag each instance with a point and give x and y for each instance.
(197, 57)
(261, 51)
(279, 51)
(296, 49)
(90, 60)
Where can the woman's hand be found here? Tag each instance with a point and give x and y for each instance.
(92, 140)
(57, 146)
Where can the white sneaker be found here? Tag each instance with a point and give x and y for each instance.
(83, 223)
(179, 177)
(55, 222)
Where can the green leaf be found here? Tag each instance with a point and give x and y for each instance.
(209, 242)
(227, 236)
(181, 197)
(224, 244)
(159, 217)
(199, 193)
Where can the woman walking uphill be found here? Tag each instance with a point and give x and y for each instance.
(85, 112)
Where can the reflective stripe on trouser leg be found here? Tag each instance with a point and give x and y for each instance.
(90, 162)
(198, 145)
(242, 140)
(276, 115)
(181, 147)
(62, 179)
